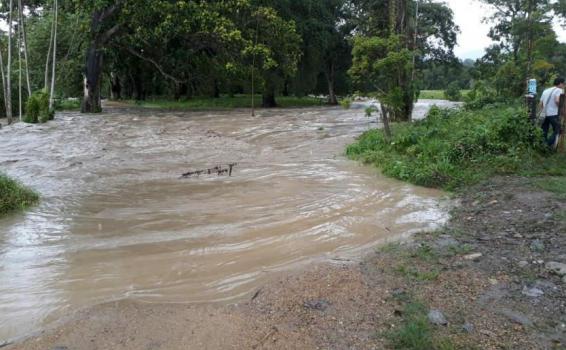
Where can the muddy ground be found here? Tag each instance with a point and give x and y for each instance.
(493, 274)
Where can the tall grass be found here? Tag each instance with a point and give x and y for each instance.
(14, 196)
(451, 149)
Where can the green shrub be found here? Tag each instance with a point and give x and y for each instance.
(14, 196)
(452, 148)
(452, 92)
(346, 103)
(37, 108)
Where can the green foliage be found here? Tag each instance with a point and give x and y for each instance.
(415, 332)
(346, 103)
(385, 62)
(37, 108)
(555, 185)
(482, 95)
(452, 148)
(225, 102)
(452, 92)
(68, 105)
(13, 196)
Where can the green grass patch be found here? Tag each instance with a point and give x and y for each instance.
(226, 102)
(415, 332)
(438, 94)
(68, 105)
(452, 149)
(418, 274)
(556, 185)
(14, 196)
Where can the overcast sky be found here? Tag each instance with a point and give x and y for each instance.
(473, 39)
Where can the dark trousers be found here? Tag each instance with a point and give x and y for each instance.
(555, 122)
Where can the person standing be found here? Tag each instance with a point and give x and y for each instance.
(549, 104)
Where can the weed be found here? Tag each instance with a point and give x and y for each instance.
(425, 253)
(37, 108)
(14, 196)
(460, 249)
(453, 149)
(420, 275)
(415, 332)
(346, 103)
(556, 185)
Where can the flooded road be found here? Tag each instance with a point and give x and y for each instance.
(117, 221)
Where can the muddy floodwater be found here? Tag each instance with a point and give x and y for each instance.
(117, 221)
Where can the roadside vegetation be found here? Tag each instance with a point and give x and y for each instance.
(227, 102)
(452, 149)
(441, 95)
(14, 196)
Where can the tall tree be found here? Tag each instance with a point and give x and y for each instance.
(54, 63)
(8, 96)
(385, 47)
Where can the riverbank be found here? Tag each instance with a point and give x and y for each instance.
(491, 276)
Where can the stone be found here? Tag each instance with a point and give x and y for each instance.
(436, 317)
(556, 268)
(532, 292)
(468, 327)
(474, 256)
(537, 246)
(445, 242)
(320, 305)
(517, 317)
(523, 263)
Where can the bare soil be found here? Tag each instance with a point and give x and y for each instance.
(485, 272)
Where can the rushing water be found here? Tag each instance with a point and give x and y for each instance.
(116, 221)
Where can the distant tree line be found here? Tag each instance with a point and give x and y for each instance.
(135, 49)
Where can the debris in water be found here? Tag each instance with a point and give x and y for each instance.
(219, 170)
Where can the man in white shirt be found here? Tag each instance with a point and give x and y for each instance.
(549, 103)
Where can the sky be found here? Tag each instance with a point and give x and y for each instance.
(473, 39)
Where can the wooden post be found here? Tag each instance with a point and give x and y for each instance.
(531, 102)
(561, 145)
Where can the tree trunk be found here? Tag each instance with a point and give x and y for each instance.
(54, 63)
(385, 117)
(268, 98)
(20, 99)
(330, 78)
(216, 92)
(25, 45)
(48, 59)
(115, 87)
(91, 100)
(9, 69)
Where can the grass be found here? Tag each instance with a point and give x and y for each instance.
(226, 102)
(68, 105)
(14, 196)
(437, 94)
(452, 149)
(415, 332)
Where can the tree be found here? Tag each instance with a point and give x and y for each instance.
(387, 43)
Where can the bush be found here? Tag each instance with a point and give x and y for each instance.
(452, 148)
(483, 95)
(14, 196)
(346, 103)
(452, 92)
(37, 108)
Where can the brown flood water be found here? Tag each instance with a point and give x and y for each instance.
(116, 221)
